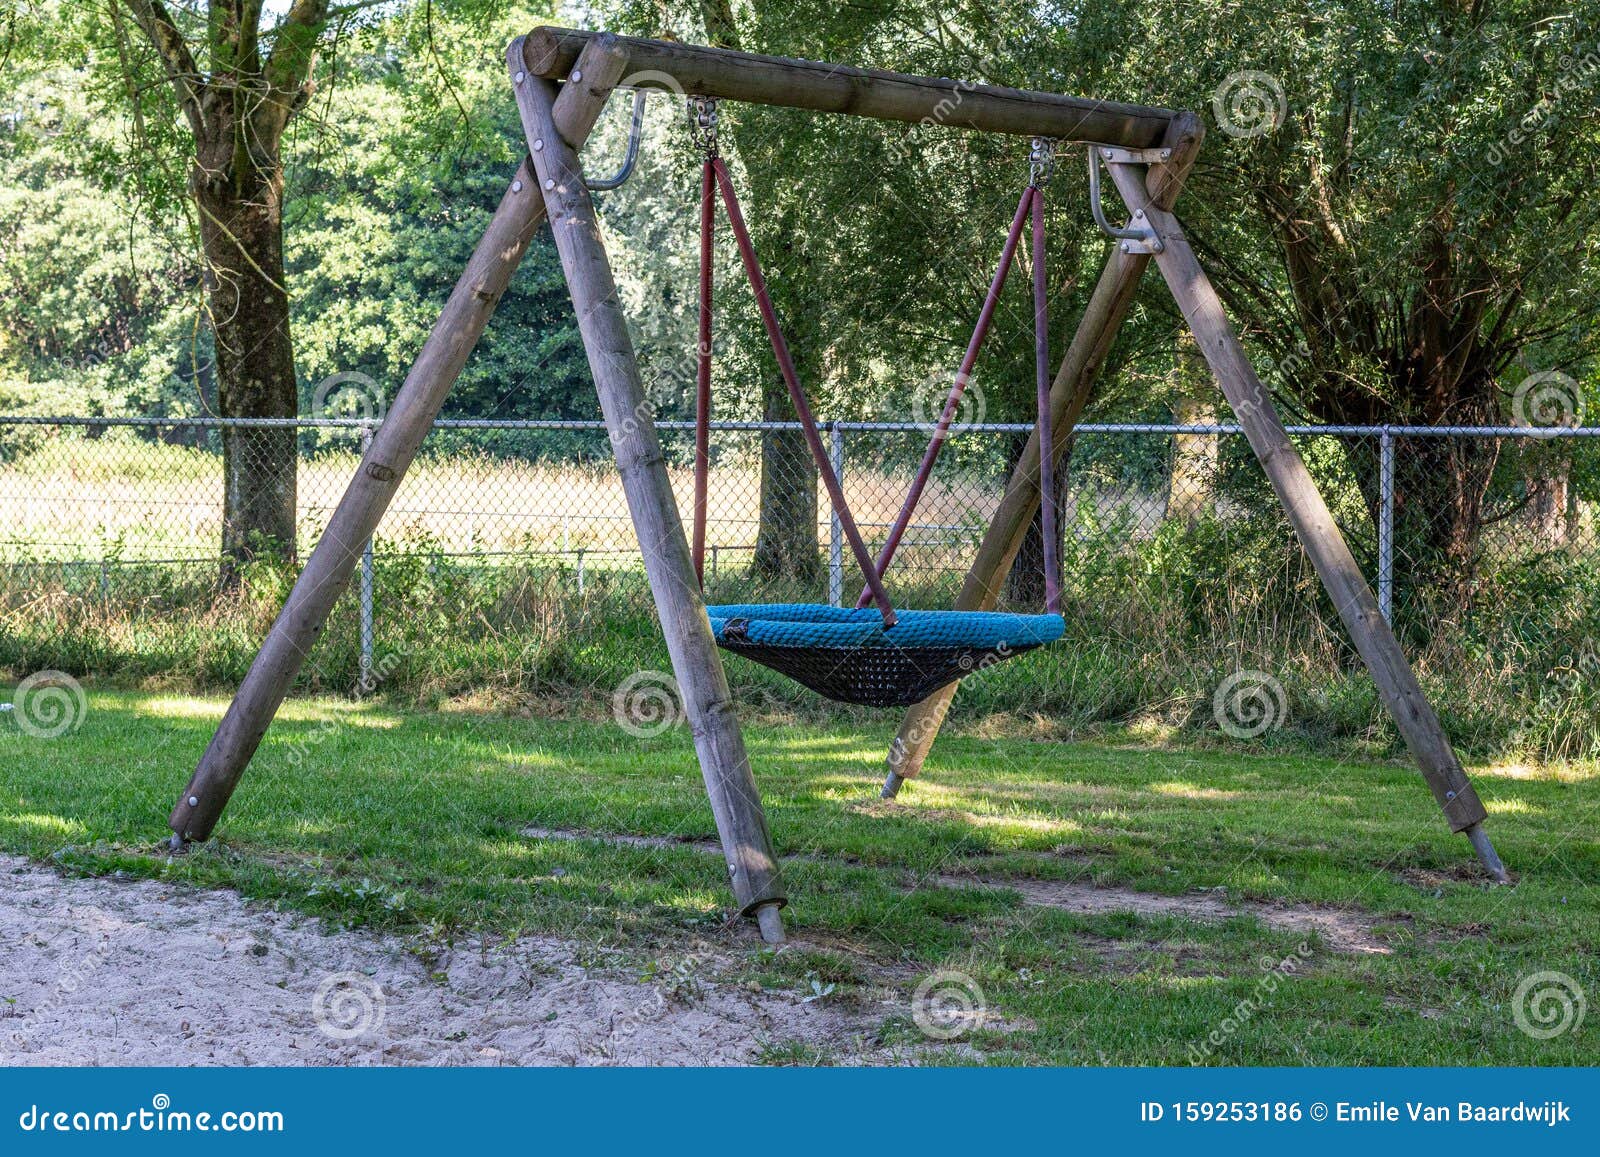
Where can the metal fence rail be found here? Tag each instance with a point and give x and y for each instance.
(103, 495)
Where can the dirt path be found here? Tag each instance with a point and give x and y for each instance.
(1343, 930)
(112, 972)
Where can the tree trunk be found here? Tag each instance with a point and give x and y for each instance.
(1546, 478)
(1439, 489)
(242, 233)
(787, 544)
(1191, 480)
(1025, 583)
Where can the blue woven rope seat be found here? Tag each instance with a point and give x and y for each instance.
(849, 656)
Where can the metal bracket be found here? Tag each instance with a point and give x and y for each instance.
(631, 158)
(1139, 236)
(1112, 155)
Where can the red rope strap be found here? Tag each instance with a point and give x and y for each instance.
(702, 385)
(953, 403)
(791, 378)
(1041, 372)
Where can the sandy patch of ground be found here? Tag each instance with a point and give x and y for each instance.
(113, 972)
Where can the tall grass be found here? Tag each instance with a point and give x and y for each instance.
(1153, 626)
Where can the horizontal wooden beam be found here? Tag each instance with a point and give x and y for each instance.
(778, 80)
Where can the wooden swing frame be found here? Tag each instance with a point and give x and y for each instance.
(561, 80)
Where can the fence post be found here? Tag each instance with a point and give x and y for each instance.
(1386, 525)
(835, 530)
(367, 565)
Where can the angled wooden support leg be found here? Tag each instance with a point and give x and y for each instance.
(1308, 513)
(1069, 393)
(394, 444)
(735, 803)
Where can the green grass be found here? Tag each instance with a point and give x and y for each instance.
(368, 814)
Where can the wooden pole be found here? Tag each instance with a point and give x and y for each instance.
(327, 572)
(1312, 521)
(868, 92)
(707, 702)
(1069, 393)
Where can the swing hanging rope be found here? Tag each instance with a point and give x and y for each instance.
(881, 658)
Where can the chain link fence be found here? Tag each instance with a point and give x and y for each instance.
(1171, 537)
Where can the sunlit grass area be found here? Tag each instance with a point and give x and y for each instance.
(418, 822)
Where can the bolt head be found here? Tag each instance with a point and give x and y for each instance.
(516, 186)
(1139, 213)
(194, 801)
(538, 145)
(549, 183)
(521, 76)
(1126, 248)
(577, 74)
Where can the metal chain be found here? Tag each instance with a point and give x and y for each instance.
(703, 123)
(1041, 161)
